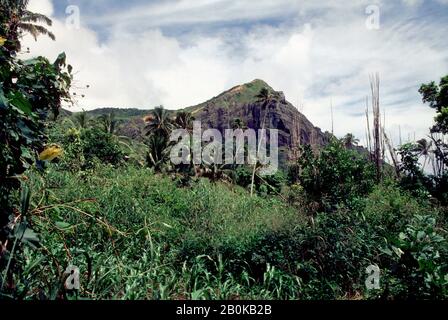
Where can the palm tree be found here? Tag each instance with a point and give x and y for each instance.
(159, 123)
(423, 148)
(184, 120)
(349, 140)
(238, 124)
(157, 153)
(82, 118)
(108, 122)
(19, 20)
(265, 97)
(158, 128)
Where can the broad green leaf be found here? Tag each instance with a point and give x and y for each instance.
(3, 100)
(26, 235)
(31, 61)
(420, 235)
(18, 101)
(26, 154)
(398, 251)
(30, 236)
(63, 225)
(387, 251)
(25, 199)
(60, 61)
(25, 131)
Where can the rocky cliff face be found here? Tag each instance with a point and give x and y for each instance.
(241, 102)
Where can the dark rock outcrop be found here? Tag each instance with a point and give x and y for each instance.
(241, 102)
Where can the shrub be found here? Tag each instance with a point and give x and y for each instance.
(267, 185)
(417, 261)
(85, 148)
(101, 145)
(389, 209)
(30, 91)
(333, 176)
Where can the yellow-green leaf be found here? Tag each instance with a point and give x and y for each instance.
(50, 153)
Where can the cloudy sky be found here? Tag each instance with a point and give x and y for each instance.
(177, 53)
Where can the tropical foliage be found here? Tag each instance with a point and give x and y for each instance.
(74, 193)
(17, 20)
(30, 91)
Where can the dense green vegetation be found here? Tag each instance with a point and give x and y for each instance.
(75, 193)
(136, 235)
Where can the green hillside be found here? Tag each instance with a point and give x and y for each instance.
(237, 95)
(120, 113)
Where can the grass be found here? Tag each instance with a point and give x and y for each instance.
(139, 235)
(136, 235)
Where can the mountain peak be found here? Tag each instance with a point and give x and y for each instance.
(256, 85)
(260, 83)
(240, 94)
(243, 102)
(253, 87)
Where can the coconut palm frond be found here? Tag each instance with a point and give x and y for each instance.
(18, 20)
(350, 140)
(184, 120)
(159, 123)
(82, 118)
(264, 95)
(36, 30)
(36, 18)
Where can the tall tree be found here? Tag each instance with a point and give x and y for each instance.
(82, 118)
(184, 120)
(437, 98)
(375, 88)
(265, 97)
(423, 148)
(238, 123)
(108, 122)
(158, 129)
(350, 140)
(156, 155)
(19, 21)
(159, 122)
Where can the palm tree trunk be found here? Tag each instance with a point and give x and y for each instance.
(392, 154)
(375, 87)
(369, 137)
(263, 124)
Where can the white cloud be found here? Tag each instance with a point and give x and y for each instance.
(416, 3)
(313, 60)
(41, 6)
(413, 3)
